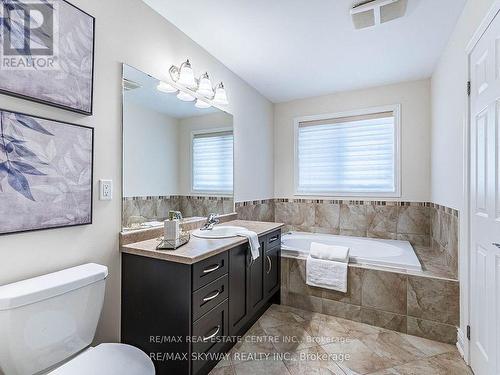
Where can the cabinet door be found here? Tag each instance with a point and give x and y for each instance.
(271, 271)
(257, 278)
(239, 298)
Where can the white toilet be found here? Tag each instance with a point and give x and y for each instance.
(47, 324)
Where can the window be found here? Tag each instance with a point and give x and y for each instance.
(352, 154)
(212, 162)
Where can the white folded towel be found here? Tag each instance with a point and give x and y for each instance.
(326, 274)
(254, 242)
(330, 252)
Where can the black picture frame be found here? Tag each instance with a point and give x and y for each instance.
(91, 199)
(53, 103)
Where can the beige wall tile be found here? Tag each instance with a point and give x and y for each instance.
(413, 220)
(432, 330)
(285, 269)
(342, 310)
(382, 219)
(433, 299)
(327, 215)
(297, 279)
(383, 319)
(293, 213)
(353, 218)
(384, 291)
(300, 301)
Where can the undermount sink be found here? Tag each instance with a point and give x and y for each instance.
(225, 231)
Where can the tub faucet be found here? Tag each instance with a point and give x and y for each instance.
(211, 221)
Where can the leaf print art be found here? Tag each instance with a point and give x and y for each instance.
(19, 161)
(45, 173)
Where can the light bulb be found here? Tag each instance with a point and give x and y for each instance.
(205, 86)
(186, 75)
(220, 95)
(202, 104)
(166, 87)
(185, 97)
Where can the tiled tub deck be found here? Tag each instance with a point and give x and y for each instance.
(423, 304)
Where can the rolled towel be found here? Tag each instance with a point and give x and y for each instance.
(253, 239)
(330, 252)
(326, 274)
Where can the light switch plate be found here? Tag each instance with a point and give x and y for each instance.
(105, 190)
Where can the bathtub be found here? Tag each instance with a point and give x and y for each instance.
(367, 251)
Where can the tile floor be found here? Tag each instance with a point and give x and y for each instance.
(290, 341)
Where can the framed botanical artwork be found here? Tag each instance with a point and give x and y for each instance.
(46, 173)
(47, 53)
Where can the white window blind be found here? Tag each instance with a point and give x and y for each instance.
(349, 155)
(213, 162)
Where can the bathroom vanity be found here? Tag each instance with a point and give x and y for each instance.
(185, 308)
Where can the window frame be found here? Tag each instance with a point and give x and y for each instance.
(194, 192)
(396, 109)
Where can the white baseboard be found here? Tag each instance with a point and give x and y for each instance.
(462, 344)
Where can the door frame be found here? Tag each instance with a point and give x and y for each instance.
(465, 254)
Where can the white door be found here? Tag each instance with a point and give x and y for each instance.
(485, 202)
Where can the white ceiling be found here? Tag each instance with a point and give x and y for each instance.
(290, 49)
(148, 96)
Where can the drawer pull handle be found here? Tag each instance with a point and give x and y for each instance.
(270, 264)
(209, 270)
(496, 244)
(212, 335)
(206, 299)
(275, 238)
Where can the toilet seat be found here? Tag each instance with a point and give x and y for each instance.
(108, 359)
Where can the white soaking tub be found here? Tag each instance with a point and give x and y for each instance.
(368, 251)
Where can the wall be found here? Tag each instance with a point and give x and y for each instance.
(416, 124)
(129, 31)
(449, 92)
(150, 161)
(448, 88)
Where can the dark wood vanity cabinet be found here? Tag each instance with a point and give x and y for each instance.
(182, 315)
(272, 264)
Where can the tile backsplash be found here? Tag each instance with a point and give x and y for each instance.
(445, 234)
(138, 209)
(420, 223)
(262, 210)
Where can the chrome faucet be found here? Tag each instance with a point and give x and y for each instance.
(211, 221)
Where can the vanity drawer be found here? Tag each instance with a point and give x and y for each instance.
(209, 296)
(273, 240)
(210, 269)
(208, 333)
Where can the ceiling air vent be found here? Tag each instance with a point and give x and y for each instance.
(375, 12)
(129, 85)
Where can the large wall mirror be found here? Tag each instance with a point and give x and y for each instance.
(176, 157)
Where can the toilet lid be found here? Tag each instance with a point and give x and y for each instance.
(108, 359)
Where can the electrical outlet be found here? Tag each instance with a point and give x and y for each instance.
(105, 190)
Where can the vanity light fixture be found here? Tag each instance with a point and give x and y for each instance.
(220, 95)
(205, 86)
(166, 88)
(189, 88)
(185, 97)
(202, 104)
(183, 75)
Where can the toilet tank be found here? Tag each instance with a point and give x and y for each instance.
(47, 319)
